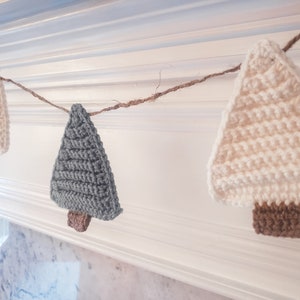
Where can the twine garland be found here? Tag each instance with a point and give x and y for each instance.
(151, 98)
(96, 195)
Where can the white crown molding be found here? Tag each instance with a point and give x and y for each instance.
(178, 61)
(99, 82)
(226, 260)
(98, 74)
(75, 24)
(77, 54)
(176, 118)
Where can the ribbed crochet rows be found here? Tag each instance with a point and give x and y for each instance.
(4, 124)
(256, 158)
(82, 180)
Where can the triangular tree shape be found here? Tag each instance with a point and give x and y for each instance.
(256, 158)
(82, 181)
(4, 123)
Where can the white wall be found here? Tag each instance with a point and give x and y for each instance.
(97, 52)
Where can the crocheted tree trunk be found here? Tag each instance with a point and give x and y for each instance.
(256, 158)
(277, 220)
(79, 221)
(82, 181)
(4, 123)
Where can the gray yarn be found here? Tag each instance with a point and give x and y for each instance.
(82, 180)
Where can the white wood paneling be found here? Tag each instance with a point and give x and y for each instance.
(100, 52)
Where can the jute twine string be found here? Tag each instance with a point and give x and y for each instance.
(151, 98)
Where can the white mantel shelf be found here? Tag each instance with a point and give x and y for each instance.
(97, 52)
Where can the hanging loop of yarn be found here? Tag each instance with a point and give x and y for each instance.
(151, 98)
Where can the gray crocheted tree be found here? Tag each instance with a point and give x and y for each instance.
(82, 180)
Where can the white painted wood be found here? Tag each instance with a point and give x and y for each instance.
(219, 258)
(100, 52)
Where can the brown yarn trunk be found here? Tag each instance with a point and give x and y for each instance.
(277, 220)
(79, 221)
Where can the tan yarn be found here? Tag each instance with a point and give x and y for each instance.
(256, 158)
(4, 125)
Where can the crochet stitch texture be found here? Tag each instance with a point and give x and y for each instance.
(82, 180)
(256, 158)
(4, 123)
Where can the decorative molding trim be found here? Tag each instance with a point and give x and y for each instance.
(140, 66)
(229, 261)
(81, 53)
(90, 19)
(136, 74)
(133, 62)
(179, 118)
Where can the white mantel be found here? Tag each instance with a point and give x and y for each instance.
(100, 52)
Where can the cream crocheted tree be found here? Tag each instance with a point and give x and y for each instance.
(4, 124)
(256, 158)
